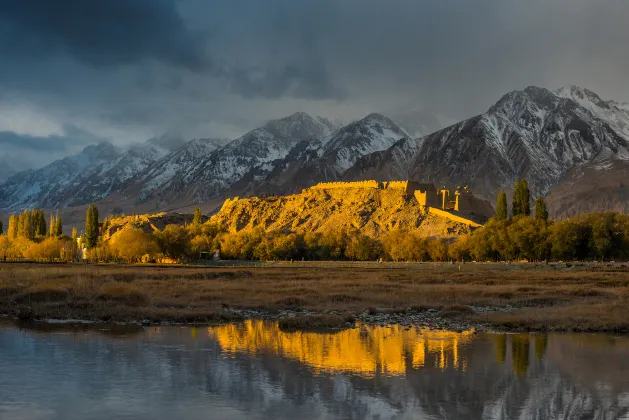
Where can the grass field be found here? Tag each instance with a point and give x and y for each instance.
(581, 297)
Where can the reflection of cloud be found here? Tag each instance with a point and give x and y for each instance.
(364, 351)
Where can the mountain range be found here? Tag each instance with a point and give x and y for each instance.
(571, 145)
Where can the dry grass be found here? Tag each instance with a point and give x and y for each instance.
(582, 297)
(124, 293)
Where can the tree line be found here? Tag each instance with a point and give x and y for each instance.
(513, 234)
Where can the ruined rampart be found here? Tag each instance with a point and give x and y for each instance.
(346, 185)
(453, 217)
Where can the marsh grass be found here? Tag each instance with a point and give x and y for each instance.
(124, 293)
(583, 297)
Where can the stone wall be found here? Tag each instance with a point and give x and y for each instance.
(346, 185)
(453, 217)
(396, 185)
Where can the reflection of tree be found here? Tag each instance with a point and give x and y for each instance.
(520, 353)
(541, 344)
(501, 348)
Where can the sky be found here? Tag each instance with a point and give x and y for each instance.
(75, 72)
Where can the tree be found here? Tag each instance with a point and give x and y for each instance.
(12, 228)
(91, 226)
(460, 250)
(48, 249)
(438, 250)
(361, 247)
(58, 226)
(106, 223)
(41, 224)
(174, 242)
(51, 225)
(75, 234)
(516, 205)
(501, 206)
(521, 199)
(197, 219)
(525, 198)
(132, 245)
(26, 225)
(1, 228)
(541, 212)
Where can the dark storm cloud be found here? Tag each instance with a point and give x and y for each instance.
(141, 67)
(105, 33)
(101, 32)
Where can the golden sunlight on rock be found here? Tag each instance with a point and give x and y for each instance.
(365, 351)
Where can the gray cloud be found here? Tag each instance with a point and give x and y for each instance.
(22, 151)
(102, 32)
(129, 70)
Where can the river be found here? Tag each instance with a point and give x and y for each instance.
(254, 370)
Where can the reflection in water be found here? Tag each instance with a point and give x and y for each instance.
(501, 348)
(255, 370)
(366, 351)
(541, 345)
(520, 353)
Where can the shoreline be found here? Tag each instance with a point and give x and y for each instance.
(330, 322)
(512, 298)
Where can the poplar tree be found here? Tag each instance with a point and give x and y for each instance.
(541, 212)
(42, 223)
(51, 232)
(75, 234)
(501, 206)
(1, 228)
(58, 226)
(516, 205)
(106, 224)
(197, 219)
(12, 228)
(525, 198)
(25, 224)
(91, 226)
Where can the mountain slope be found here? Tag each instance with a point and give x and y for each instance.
(327, 159)
(171, 169)
(534, 133)
(238, 163)
(89, 176)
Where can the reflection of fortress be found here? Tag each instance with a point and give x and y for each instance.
(442, 201)
(367, 351)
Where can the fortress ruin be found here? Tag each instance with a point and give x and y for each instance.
(458, 204)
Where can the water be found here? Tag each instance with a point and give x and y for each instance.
(255, 371)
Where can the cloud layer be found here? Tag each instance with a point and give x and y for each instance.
(128, 70)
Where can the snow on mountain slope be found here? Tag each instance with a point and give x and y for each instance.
(171, 168)
(373, 133)
(250, 155)
(534, 133)
(326, 160)
(88, 176)
(614, 113)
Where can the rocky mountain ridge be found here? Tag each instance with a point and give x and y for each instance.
(571, 145)
(534, 133)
